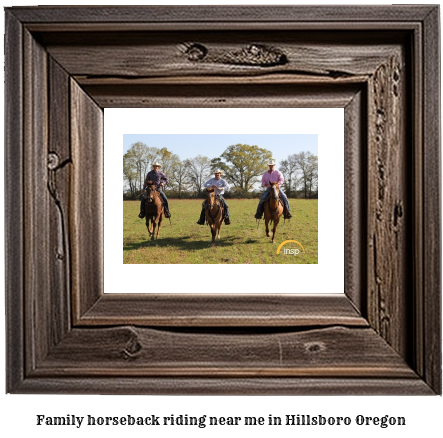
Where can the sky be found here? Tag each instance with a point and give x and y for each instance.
(213, 145)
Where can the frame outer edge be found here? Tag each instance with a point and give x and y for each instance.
(14, 202)
(432, 202)
(220, 13)
(229, 386)
(14, 249)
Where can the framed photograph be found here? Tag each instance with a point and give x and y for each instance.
(227, 174)
(374, 327)
(187, 159)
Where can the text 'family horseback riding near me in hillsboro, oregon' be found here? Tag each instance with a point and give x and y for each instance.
(225, 198)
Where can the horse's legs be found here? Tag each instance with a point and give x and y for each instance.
(222, 216)
(274, 228)
(267, 226)
(147, 225)
(277, 220)
(159, 223)
(213, 232)
(153, 229)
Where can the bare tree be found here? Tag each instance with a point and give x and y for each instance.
(289, 169)
(308, 168)
(139, 160)
(312, 173)
(141, 157)
(130, 174)
(199, 169)
(179, 175)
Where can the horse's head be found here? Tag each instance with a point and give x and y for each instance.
(275, 190)
(210, 197)
(149, 191)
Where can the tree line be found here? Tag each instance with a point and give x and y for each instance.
(243, 166)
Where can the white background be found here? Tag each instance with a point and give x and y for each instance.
(17, 413)
(328, 123)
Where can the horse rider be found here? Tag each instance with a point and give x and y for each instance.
(219, 185)
(160, 180)
(272, 175)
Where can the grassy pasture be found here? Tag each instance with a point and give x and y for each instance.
(241, 242)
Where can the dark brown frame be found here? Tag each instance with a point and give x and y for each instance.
(64, 65)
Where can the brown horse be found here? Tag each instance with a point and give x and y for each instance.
(273, 209)
(214, 213)
(154, 209)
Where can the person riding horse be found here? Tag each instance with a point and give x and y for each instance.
(160, 180)
(272, 175)
(219, 185)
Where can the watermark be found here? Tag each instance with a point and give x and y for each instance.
(290, 251)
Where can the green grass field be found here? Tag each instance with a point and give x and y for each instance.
(241, 242)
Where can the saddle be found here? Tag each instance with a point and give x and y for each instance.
(162, 202)
(220, 204)
(217, 198)
(157, 192)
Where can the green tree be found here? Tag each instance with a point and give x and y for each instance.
(243, 164)
(166, 158)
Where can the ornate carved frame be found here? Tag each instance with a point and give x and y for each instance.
(64, 65)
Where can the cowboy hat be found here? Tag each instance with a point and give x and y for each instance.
(271, 163)
(156, 164)
(218, 171)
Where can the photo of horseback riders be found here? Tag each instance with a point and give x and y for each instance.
(258, 196)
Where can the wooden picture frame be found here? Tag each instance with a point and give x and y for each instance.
(379, 63)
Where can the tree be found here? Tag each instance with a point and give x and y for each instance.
(139, 160)
(243, 164)
(137, 155)
(179, 175)
(199, 169)
(166, 159)
(130, 174)
(289, 169)
(307, 164)
(312, 173)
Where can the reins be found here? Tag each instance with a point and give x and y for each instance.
(272, 212)
(269, 204)
(158, 197)
(217, 203)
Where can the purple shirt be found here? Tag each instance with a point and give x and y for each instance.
(157, 178)
(275, 176)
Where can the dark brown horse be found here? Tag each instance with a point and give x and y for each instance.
(273, 209)
(154, 210)
(214, 213)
